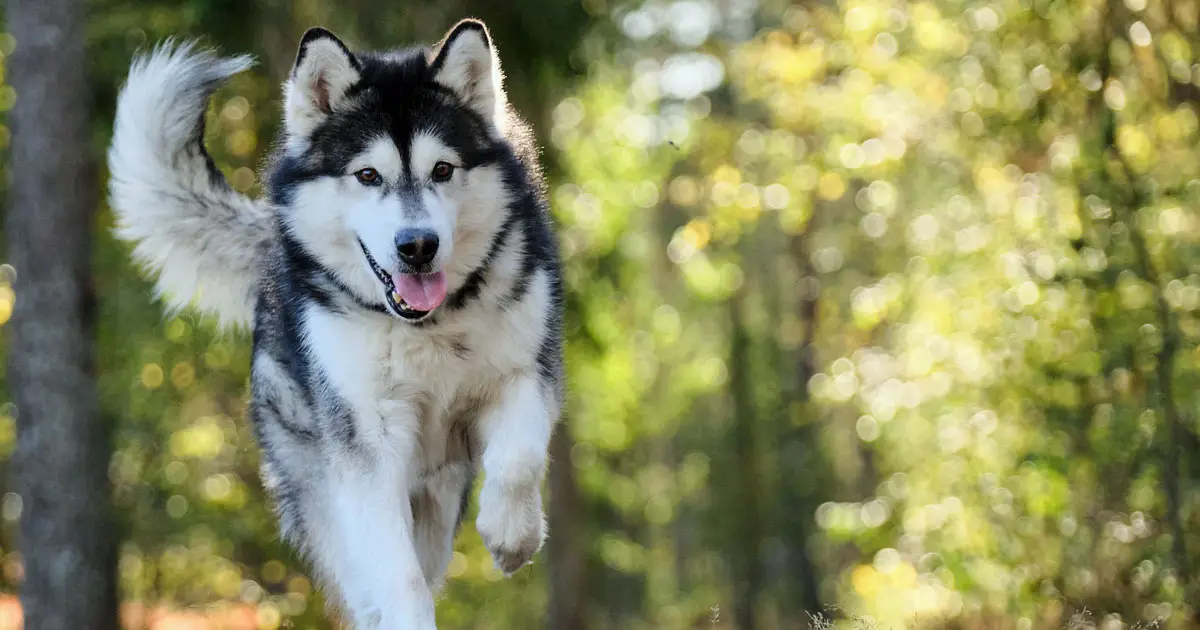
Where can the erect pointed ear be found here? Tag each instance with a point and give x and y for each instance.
(324, 70)
(465, 61)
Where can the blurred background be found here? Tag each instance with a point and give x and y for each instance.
(881, 314)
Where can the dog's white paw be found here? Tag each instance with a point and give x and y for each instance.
(511, 524)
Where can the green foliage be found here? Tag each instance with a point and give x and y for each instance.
(993, 204)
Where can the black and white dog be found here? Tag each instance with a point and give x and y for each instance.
(402, 280)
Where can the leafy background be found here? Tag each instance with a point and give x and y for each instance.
(879, 311)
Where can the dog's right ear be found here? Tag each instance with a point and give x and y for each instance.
(324, 70)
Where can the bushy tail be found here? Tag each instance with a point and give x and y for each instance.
(204, 240)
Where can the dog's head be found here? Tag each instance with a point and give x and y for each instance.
(390, 174)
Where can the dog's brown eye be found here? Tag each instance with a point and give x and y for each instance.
(368, 177)
(442, 171)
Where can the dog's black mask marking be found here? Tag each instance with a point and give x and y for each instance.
(395, 97)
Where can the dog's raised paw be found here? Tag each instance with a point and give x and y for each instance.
(509, 561)
(511, 524)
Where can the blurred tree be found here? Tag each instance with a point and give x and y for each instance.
(67, 543)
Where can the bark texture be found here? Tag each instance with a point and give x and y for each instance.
(61, 461)
(565, 547)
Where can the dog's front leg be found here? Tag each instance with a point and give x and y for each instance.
(515, 434)
(364, 544)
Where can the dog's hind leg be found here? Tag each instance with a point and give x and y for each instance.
(352, 520)
(437, 511)
(359, 532)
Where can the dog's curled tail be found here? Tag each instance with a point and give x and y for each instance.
(204, 240)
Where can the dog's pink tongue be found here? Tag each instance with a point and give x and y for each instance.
(422, 291)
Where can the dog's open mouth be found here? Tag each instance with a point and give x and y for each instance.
(412, 296)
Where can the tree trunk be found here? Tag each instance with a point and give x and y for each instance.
(748, 575)
(803, 481)
(61, 461)
(565, 548)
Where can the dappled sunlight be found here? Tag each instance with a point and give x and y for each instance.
(953, 195)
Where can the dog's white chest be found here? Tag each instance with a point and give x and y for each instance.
(401, 383)
(405, 383)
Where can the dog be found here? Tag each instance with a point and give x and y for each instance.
(402, 280)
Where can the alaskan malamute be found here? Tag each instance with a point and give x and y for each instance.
(402, 281)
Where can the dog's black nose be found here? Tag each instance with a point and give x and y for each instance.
(416, 247)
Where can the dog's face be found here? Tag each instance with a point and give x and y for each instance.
(389, 176)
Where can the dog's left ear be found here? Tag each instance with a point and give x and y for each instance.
(465, 61)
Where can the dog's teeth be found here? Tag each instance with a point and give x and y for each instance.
(397, 298)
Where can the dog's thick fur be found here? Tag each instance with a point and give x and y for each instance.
(372, 415)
